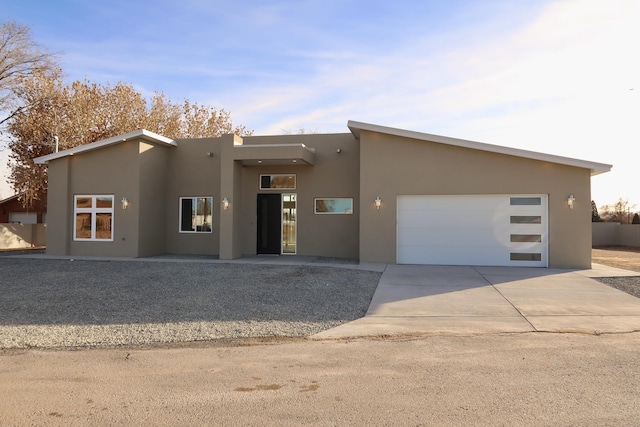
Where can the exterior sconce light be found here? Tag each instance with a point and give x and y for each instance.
(570, 201)
(378, 202)
(125, 203)
(225, 203)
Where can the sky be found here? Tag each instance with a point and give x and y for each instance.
(553, 76)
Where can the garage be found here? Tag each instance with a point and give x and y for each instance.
(23, 217)
(489, 230)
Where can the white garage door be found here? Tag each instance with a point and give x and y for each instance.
(500, 230)
(23, 217)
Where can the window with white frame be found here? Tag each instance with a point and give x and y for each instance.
(196, 214)
(93, 218)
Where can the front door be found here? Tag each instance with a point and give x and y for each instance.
(269, 223)
(276, 224)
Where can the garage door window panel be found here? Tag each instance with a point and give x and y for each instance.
(526, 201)
(521, 219)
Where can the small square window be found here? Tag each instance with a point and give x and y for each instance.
(196, 214)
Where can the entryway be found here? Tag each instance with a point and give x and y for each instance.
(276, 224)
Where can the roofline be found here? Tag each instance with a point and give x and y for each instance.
(8, 199)
(596, 168)
(137, 134)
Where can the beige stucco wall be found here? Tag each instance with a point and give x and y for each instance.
(121, 170)
(59, 207)
(391, 166)
(615, 234)
(17, 236)
(332, 175)
(110, 170)
(152, 219)
(192, 172)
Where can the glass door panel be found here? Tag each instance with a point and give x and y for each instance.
(289, 213)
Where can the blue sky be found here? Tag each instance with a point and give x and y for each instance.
(560, 77)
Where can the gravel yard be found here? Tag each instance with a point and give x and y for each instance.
(630, 285)
(62, 303)
(620, 257)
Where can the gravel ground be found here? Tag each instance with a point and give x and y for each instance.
(630, 285)
(62, 303)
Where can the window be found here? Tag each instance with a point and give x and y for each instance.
(526, 238)
(333, 206)
(93, 218)
(516, 256)
(526, 201)
(195, 214)
(277, 182)
(515, 219)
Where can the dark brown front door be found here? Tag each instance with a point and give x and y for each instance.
(269, 223)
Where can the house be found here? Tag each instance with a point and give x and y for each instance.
(377, 194)
(12, 210)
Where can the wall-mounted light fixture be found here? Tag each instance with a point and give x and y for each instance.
(378, 202)
(570, 201)
(125, 203)
(225, 203)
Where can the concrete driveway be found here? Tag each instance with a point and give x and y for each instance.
(423, 299)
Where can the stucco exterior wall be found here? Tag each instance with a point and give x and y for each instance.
(152, 220)
(332, 175)
(615, 234)
(111, 170)
(132, 169)
(192, 172)
(391, 166)
(17, 236)
(59, 207)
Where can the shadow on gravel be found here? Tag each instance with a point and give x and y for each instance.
(63, 292)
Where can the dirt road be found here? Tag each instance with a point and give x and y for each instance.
(521, 379)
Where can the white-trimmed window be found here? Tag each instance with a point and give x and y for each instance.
(333, 205)
(93, 218)
(196, 214)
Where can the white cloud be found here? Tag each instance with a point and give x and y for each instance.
(559, 84)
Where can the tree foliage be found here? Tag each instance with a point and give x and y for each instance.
(595, 216)
(636, 219)
(84, 112)
(618, 212)
(20, 58)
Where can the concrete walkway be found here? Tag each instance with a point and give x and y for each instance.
(423, 299)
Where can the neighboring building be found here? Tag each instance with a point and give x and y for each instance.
(376, 194)
(12, 210)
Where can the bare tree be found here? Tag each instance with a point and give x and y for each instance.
(621, 212)
(20, 58)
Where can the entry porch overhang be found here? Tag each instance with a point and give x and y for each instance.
(274, 154)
